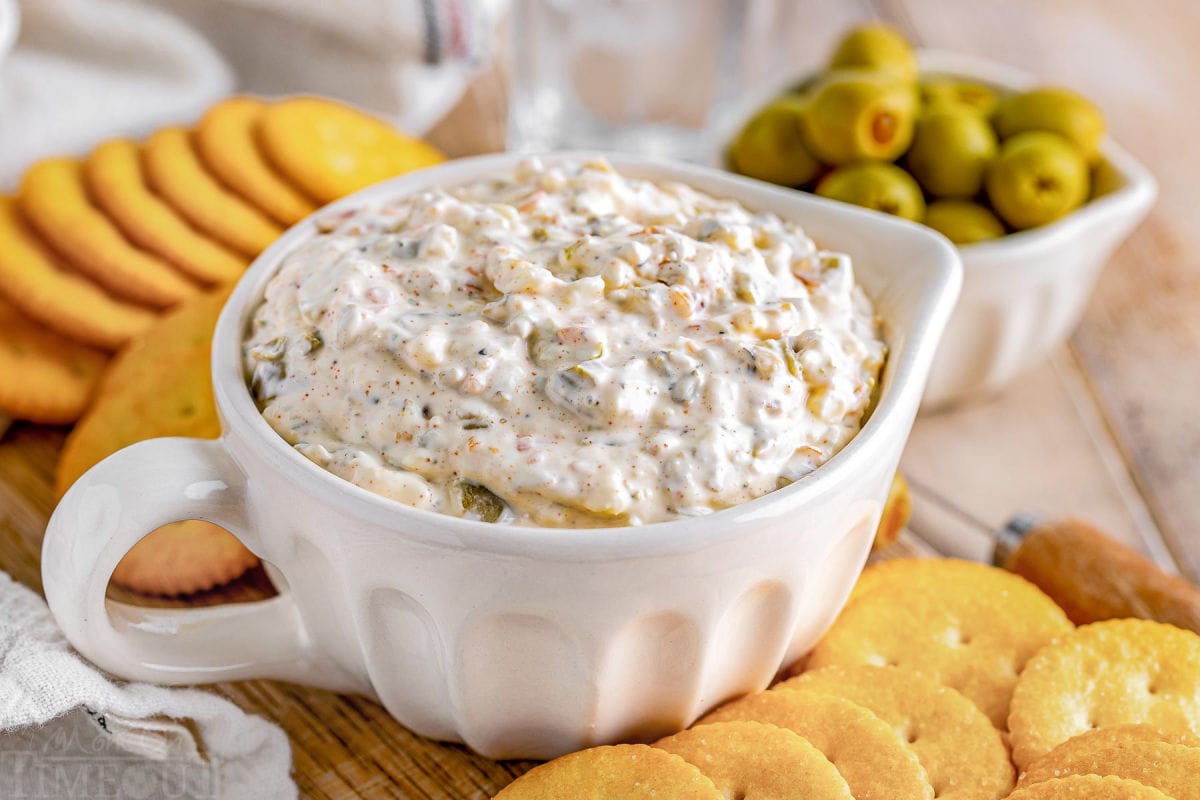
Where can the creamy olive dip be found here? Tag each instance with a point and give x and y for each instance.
(564, 345)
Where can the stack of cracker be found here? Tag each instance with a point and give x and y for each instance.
(131, 250)
(93, 250)
(940, 679)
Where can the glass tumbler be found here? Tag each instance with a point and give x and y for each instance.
(641, 76)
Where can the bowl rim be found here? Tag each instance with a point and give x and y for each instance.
(1138, 187)
(898, 399)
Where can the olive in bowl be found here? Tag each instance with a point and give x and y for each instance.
(1036, 200)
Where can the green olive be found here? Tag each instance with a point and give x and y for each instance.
(771, 147)
(882, 187)
(876, 46)
(1060, 111)
(962, 221)
(854, 115)
(949, 92)
(1037, 178)
(951, 150)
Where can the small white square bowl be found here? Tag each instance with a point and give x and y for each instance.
(1023, 294)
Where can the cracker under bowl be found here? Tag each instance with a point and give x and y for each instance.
(518, 641)
(1022, 294)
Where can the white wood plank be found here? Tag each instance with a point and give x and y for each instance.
(1037, 447)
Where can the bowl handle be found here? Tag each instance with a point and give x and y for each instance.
(106, 512)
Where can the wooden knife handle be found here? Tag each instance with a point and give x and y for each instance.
(1095, 577)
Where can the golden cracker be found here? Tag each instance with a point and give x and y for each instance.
(161, 385)
(53, 199)
(614, 772)
(43, 377)
(1099, 738)
(1107, 673)
(113, 173)
(46, 291)
(875, 762)
(226, 141)
(183, 558)
(755, 760)
(331, 150)
(1089, 787)
(962, 752)
(965, 625)
(896, 512)
(1170, 768)
(175, 172)
(898, 570)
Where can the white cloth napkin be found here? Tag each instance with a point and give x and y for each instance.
(66, 730)
(408, 60)
(85, 70)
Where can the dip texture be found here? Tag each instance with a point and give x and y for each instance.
(564, 346)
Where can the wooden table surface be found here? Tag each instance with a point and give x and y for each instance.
(1106, 429)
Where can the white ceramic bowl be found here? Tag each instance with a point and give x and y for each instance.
(1022, 295)
(521, 642)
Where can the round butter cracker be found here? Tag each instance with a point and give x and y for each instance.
(331, 150)
(896, 571)
(48, 292)
(1170, 768)
(1107, 673)
(161, 385)
(43, 377)
(614, 772)
(113, 173)
(756, 761)
(897, 510)
(962, 752)
(1100, 738)
(872, 758)
(226, 141)
(965, 625)
(175, 172)
(53, 199)
(1089, 787)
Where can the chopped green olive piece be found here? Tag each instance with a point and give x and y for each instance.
(313, 341)
(570, 250)
(265, 376)
(789, 358)
(685, 389)
(533, 344)
(271, 351)
(584, 373)
(481, 502)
